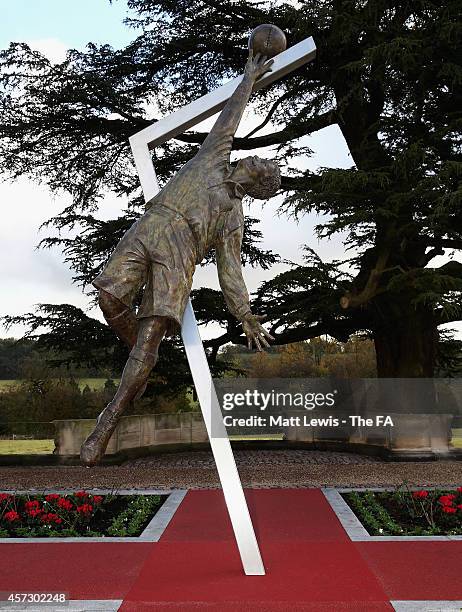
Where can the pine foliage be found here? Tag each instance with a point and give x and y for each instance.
(387, 73)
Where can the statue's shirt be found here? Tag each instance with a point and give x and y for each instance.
(198, 209)
(200, 193)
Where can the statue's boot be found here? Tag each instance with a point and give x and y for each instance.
(94, 447)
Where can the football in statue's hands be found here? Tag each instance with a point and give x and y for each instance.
(268, 40)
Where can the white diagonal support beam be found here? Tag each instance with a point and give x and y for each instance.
(141, 143)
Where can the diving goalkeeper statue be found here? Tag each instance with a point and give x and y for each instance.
(200, 208)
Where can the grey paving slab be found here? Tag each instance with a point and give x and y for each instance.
(73, 605)
(93, 491)
(427, 606)
(162, 518)
(345, 515)
(111, 605)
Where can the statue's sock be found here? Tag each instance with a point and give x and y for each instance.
(134, 377)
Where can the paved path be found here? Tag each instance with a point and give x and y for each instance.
(258, 469)
(311, 564)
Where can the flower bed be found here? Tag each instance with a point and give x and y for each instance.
(404, 512)
(79, 514)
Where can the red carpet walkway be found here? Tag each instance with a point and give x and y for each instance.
(311, 564)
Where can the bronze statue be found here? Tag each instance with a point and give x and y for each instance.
(198, 209)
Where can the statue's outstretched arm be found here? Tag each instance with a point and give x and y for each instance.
(230, 117)
(228, 252)
(228, 256)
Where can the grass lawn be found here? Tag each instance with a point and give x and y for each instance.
(93, 383)
(6, 384)
(26, 447)
(457, 438)
(277, 436)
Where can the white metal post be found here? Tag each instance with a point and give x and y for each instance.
(141, 143)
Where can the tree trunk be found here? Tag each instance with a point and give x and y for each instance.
(406, 347)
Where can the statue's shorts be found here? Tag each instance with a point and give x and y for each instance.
(159, 253)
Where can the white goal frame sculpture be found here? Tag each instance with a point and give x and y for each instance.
(141, 143)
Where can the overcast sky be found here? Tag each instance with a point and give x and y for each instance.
(30, 276)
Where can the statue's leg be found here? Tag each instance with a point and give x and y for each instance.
(121, 319)
(142, 359)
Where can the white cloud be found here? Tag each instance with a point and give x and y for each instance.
(53, 48)
(30, 276)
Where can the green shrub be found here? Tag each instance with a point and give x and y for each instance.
(405, 512)
(130, 521)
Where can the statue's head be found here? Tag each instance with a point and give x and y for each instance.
(260, 178)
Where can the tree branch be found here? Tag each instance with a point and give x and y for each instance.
(451, 268)
(340, 329)
(445, 243)
(271, 112)
(313, 124)
(370, 290)
(289, 183)
(431, 254)
(443, 316)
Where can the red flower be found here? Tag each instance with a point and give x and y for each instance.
(5, 496)
(52, 497)
(420, 494)
(85, 509)
(31, 505)
(11, 516)
(446, 500)
(97, 499)
(449, 509)
(81, 494)
(460, 506)
(51, 517)
(65, 504)
(459, 489)
(33, 508)
(33, 512)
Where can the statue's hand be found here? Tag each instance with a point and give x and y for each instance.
(257, 66)
(255, 331)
